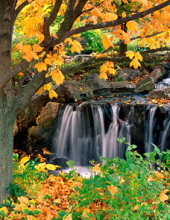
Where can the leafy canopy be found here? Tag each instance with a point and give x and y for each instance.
(54, 26)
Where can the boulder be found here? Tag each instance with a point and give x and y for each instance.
(99, 86)
(44, 128)
(157, 74)
(127, 74)
(160, 93)
(145, 85)
(71, 91)
(123, 87)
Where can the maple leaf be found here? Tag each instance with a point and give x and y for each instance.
(37, 48)
(76, 47)
(52, 94)
(40, 66)
(130, 54)
(106, 42)
(103, 75)
(132, 25)
(112, 189)
(57, 76)
(138, 56)
(135, 63)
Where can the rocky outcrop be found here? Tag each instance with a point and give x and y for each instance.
(123, 87)
(71, 91)
(160, 93)
(99, 86)
(145, 85)
(127, 74)
(42, 132)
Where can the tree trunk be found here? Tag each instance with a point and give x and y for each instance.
(7, 119)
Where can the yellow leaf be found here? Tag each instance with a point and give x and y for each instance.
(111, 71)
(40, 167)
(135, 63)
(138, 56)
(103, 68)
(41, 66)
(112, 189)
(76, 35)
(52, 94)
(48, 61)
(123, 14)
(76, 47)
(52, 167)
(39, 92)
(47, 86)
(57, 76)
(68, 40)
(103, 75)
(132, 25)
(163, 197)
(106, 42)
(96, 168)
(130, 54)
(24, 160)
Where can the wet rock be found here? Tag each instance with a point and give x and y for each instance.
(71, 91)
(157, 74)
(123, 87)
(145, 85)
(160, 93)
(41, 134)
(28, 115)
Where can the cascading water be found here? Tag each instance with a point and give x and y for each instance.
(89, 131)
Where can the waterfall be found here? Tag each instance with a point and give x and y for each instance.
(84, 134)
(88, 131)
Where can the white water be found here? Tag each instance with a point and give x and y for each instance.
(81, 135)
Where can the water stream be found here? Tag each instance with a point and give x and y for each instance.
(88, 131)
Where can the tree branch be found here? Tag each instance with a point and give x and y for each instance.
(13, 72)
(19, 9)
(94, 60)
(118, 21)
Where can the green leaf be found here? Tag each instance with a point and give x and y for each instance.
(37, 212)
(27, 211)
(70, 163)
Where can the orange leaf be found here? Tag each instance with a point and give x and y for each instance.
(135, 63)
(159, 175)
(103, 75)
(37, 48)
(41, 66)
(106, 42)
(112, 189)
(96, 168)
(130, 54)
(132, 25)
(57, 76)
(163, 197)
(52, 94)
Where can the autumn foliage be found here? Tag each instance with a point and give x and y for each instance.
(57, 25)
(116, 189)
